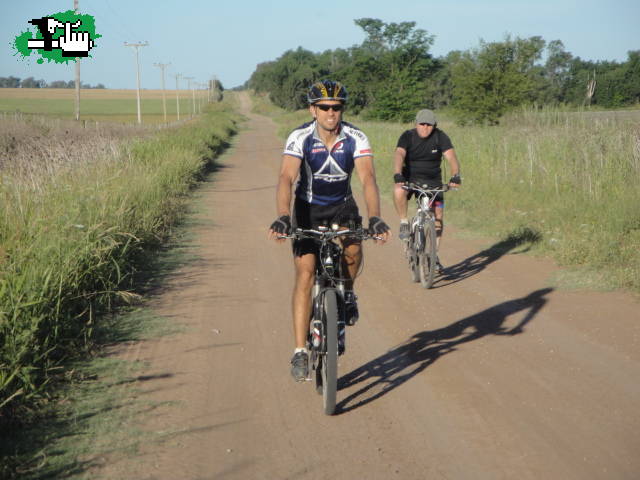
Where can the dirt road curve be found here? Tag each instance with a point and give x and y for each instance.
(490, 375)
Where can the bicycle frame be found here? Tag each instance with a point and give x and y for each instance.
(327, 322)
(420, 249)
(328, 269)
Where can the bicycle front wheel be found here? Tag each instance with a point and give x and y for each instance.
(330, 358)
(411, 247)
(427, 256)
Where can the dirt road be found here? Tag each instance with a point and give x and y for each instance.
(490, 375)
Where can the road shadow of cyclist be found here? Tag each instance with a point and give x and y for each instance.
(387, 372)
(524, 237)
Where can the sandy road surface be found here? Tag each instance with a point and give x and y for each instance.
(490, 375)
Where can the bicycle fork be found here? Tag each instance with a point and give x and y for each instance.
(418, 233)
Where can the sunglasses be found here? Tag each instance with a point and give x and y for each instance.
(325, 108)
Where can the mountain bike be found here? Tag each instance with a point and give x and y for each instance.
(327, 334)
(421, 247)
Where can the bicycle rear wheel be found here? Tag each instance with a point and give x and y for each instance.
(427, 256)
(329, 361)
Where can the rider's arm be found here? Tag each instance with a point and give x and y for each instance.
(288, 173)
(367, 175)
(452, 158)
(398, 160)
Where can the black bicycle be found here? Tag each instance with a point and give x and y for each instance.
(421, 247)
(327, 334)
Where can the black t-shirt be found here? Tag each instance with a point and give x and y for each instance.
(424, 155)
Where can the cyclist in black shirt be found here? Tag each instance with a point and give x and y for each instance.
(417, 159)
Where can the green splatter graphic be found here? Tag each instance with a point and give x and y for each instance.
(55, 55)
(20, 44)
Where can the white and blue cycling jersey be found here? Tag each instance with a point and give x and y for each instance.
(325, 176)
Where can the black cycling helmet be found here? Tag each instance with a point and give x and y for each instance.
(326, 90)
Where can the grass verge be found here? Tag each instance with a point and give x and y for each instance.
(72, 240)
(92, 416)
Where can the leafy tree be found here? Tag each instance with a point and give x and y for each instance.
(288, 78)
(556, 72)
(575, 85)
(384, 76)
(398, 58)
(438, 85)
(619, 84)
(631, 78)
(31, 82)
(9, 82)
(391, 74)
(496, 77)
(58, 84)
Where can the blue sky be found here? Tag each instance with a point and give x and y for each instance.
(227, 39)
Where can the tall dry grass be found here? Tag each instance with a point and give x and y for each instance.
(569, 178)
(79, 211)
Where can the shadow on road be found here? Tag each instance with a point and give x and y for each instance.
(478, 262)
(387, 372)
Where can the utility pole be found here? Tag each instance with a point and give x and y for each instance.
(199, 96)
(164, 100)
(136, 46)
(193, 106)
(193, 96)
(177, 75)
(76, 10)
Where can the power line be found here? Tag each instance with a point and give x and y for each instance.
(123, 24)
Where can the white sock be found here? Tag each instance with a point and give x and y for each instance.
(404, 220)
(297, 350)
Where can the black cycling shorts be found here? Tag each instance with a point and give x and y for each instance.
(308, 215)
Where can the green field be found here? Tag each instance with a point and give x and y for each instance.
(100, 105)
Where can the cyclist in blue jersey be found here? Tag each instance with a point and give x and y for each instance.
(321, 155)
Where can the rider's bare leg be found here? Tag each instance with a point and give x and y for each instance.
(400, 201)
(439, 211)
(301, 299)
(352, 258)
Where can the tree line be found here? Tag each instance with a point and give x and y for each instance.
(31, 82)
(392, 74)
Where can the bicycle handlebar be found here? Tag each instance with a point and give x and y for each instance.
(423, 189)
(301, 233)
